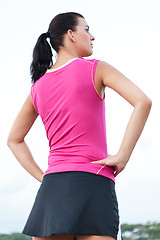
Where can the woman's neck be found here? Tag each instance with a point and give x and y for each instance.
(63, 57)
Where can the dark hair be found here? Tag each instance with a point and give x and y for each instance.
(42, 53)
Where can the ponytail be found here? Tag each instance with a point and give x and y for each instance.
(42, 58)
(42, 53)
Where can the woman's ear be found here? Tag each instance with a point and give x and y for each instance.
(70, 35)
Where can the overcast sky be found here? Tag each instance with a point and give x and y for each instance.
(127, 36)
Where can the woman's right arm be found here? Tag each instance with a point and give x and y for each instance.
(16, 143)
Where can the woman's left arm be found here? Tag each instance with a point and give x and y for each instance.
(113, 79)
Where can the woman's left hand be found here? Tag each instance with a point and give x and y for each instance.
(113, 161)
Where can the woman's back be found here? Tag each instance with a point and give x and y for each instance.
(74, 117)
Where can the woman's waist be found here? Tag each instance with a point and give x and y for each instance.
(74, 157)
(79, 165)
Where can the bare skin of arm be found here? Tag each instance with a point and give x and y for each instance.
(16, 143)
(108, 76)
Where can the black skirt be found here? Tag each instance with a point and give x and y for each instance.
(74, 202)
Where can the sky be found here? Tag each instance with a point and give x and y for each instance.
(127, 35)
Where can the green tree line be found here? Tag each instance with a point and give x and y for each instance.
(14, 236)
(148, 231)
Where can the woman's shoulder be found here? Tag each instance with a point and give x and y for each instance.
(88, 61)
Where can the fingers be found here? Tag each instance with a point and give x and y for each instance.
(103, 161)
(107, 161)
(112, 161)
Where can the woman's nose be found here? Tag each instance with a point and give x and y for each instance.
(92, 37)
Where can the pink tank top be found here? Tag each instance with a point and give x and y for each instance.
(73, 115)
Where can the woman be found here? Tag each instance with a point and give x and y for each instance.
(77, 196)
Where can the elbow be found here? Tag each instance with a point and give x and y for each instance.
(146, 104)
(9, 142)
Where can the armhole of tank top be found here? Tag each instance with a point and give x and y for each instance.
(94, 65)
(32, 96)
